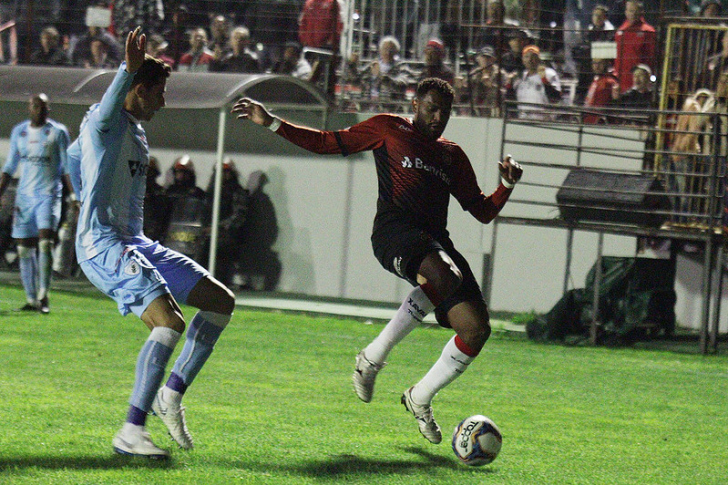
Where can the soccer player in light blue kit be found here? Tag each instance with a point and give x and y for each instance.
(38, 148)
(108, 162)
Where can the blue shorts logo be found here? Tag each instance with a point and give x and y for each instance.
(132, 268)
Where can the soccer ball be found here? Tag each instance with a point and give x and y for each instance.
(476, 440)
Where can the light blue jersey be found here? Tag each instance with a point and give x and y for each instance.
(108, 163)
(40, 155)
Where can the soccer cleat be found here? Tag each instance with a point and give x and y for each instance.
(423, 414)
(45, 308)
(137, 443)
(365, 372)
(173, 418)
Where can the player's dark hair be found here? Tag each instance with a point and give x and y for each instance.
(152, 71)
(434, 84)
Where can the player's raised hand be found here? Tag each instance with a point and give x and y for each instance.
(510, 170)
(136, 46)
(248, 109)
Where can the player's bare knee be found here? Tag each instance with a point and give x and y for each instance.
(476, 335)
(210, 295)
(223, 300)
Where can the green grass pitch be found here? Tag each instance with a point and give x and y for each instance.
(274, 405)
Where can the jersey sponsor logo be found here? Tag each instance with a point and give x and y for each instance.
(419, 164)
(38, 159)
(137, 168)
(405, 128)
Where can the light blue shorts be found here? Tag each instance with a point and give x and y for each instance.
(34, 213)
(133, 276)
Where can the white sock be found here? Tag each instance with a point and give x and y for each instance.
(449, 366)
(132, 428)
(45, 266)
(409, 315)
(170, 396)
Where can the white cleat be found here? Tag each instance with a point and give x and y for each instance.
(365, 372)
(173, 418)
(425, 419)
(137, 442)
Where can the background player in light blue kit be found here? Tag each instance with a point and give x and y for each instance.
(108, 163)
(38, 148)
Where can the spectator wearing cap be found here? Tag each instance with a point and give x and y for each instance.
(512, 61)
(639, 96)
(536, 83)
(293, 63)
(636, 43)
(483, 84)
(600, 30)
(602, 91)
(435, 62)
(157, 47)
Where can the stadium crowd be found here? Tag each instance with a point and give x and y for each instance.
(540, 51)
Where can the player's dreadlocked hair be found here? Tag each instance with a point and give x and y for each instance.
(151, 72)
(435, 84)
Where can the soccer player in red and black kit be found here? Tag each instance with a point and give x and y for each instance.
(417, 171)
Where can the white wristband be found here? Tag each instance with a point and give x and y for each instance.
(275, 125)
(507, 184)
(72, 197)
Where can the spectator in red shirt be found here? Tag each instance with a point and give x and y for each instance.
(636, 44)
(601, 91)
(199, 57)
(320, 24)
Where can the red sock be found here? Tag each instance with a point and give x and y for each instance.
(462, 347)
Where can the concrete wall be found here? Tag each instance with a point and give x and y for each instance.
(325, 206)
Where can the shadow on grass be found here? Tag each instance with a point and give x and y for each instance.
(337, 466)
(109, 462)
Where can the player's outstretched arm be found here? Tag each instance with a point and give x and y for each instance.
(136, 44)
(510, 170)
(248, 109)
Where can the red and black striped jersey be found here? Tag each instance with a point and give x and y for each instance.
(416, 175)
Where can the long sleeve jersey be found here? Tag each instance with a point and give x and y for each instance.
(108, 163)
(416, 175)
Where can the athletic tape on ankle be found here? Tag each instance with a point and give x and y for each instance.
(165, 336)
(24, 251)
(217, 319)
(45, 245)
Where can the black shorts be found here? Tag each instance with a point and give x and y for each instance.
(400, 247)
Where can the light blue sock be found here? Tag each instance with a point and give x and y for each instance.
(28, 262)
(150, 366)
(45, 266)
(202, 333)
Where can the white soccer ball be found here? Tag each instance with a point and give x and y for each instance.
(476, 440)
